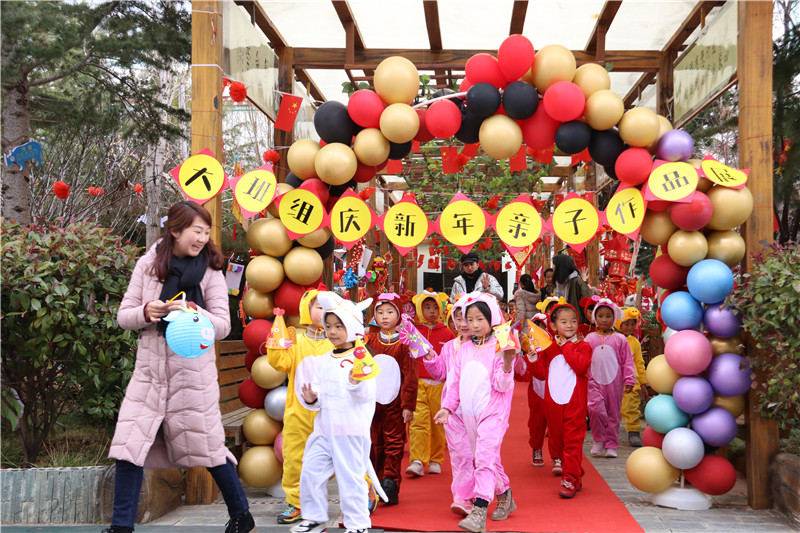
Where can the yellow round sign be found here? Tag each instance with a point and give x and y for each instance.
(351, 219)
(673, 181)
(625, 211)
(518, 224)
(301, 211)
(255, 190)
(462, 223)
(405, 225)
(723, 174)
(575, 221)
(201, 177)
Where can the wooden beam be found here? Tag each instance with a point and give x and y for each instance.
(690, 23)
(666, 84)
(597, 40)
(754, 66)
(431, 8)
(353, 34)
(266, 25)
(518, 13)
(311, 87)
(644, 80)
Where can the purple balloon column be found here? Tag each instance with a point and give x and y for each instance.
(675, 145)
(721, 321)
(729, 374)
(693, 394)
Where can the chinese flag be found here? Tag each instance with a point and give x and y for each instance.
(395, 166)
(449, 159)
(518, 161)
(583, 156)
(470, 150)
(290, 105)
(414, 146)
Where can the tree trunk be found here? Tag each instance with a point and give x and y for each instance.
(153, 165)
(16, 190)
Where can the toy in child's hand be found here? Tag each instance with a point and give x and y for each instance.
(189, 333)
(539, 339)
(364, 365)
(280, 337)
(506, 340)
(417, 344)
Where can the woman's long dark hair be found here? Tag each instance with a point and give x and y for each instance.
(526, 282)
(563, 266)
(179, 217)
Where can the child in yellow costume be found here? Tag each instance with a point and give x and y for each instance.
(632, 400)
(298, 422)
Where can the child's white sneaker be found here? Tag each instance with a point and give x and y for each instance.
(415, 469)
(557, 467)
(611, 452)
(597, 449)
(308, 526)
(434, 468)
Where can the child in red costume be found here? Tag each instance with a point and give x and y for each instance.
(564, 366)
(389, 423)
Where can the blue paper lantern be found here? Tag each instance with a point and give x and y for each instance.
(189, 333)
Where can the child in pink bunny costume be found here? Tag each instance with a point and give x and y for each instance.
(482, 386)
(611, 374)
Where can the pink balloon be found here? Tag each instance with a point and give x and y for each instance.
(483, 67)
(515, 56)
(538, 132)
(365, 108)
(564, 101)
(443, 119)
(633, 166)
(277, 446)
(688, 352)
(465, 85)
(694, 215)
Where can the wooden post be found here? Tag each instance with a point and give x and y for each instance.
(206, 133)
(593, 248)
(755, 152)
(284, 139)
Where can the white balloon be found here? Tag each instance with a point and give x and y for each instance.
(683, 448)
(275, 402)
(669, 332)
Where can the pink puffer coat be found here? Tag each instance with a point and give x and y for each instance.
(170, 415)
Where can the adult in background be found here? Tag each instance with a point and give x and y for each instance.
(547, 284)
(526, 298)
(568, 283)
(170, 415)
(473, 278)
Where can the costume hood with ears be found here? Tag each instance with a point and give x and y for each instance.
(475, 297)
(542, 306)
(605, 302)
(439, 297)
(397, 301)
(305, 303)
(351, 315)
(586, 302)
(541, 317)
(628, 313)
(558, 306)
(458, 304)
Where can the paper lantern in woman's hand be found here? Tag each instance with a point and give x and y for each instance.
(189, 333)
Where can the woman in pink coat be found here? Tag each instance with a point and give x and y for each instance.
(170, 415)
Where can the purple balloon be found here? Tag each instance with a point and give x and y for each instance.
(675, 145)
(716, 427)
(721, 321)
(729, 374)
(693, 394)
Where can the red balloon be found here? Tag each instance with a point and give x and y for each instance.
(633, 166)
(658, 205)
(255, 335)
(365, 108)
(564, 101)
(668, 274)
(364, 173)
(465, 85)
(653, 438)
(694, 215)
(538, 132)
(329, 206)
(714, 475)
(317, 187)
(443, 119)
(484, 67)
(515, 56)
(251, 394)
(423, 135)
(250, 357)
(288, 295)
(380, 167)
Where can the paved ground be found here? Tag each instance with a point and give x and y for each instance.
(729, 513)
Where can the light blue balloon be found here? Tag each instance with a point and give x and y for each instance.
(680, 311)
(189, 334)
(709, 281)
(663, 415)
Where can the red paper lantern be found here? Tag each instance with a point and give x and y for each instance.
(485, 68)
(538, 132)
(633, 166)
(255, 334)
(423, 135)
(564, 101)
(443, 119)
(365, 108)
(251, 394)
(694, 215)
(271, 156)
(714, 475)
(138, 188)
(515, 56)
(237, 91)
(61, 190)
(667, 274)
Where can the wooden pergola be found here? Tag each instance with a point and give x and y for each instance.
(754, 76)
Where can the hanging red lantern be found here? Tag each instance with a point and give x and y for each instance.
(271, 156)
(138, 188)
(237, 91)
(61, 190)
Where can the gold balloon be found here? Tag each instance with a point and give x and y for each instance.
(639, 127)
(732, 207)
(316, 238)
(528, 77)
(259, 428)
(258, 304)
(282, 188)
(552, 63)
(591, 78)
(303, 265)
(264, 273)
(500, 136)
(396, 80)
(687, 247)
(259, 467)
(294, 321)
(664, 125)
(657, 227)
(726, 246)
(252, 231)
(660, 376)
(301, 158)
(649, 471)
(371, 147)
(399, 123)
(336, 164)
(603, 109)
(721, 345)
(735, 405)
(271, 238)
(265, 375)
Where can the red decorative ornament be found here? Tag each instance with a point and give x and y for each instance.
(61, 190)
(225, 82)
(237, 91)
(138, 188)
(271, 156)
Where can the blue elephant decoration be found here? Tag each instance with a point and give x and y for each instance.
(189, 333)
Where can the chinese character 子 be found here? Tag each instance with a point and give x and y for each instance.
(462, 222)
(673, 181)
(519, 226)
(258, 190)
(347, 219)
(576, 219)
(620, 210)
(404, 226)
(301, 210)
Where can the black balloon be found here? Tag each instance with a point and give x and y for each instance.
(333, 123)
(605, 147)
(470, 127)
(338, 190)
(326, 249)
(293, 180)
(399, 150)
(611, 171)
(520, 100)
(483, 99)
(572, 137)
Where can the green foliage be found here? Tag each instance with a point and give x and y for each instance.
(62, 346)
(767, 298)
(349, 88)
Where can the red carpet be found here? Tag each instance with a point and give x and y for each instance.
(425, 502)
